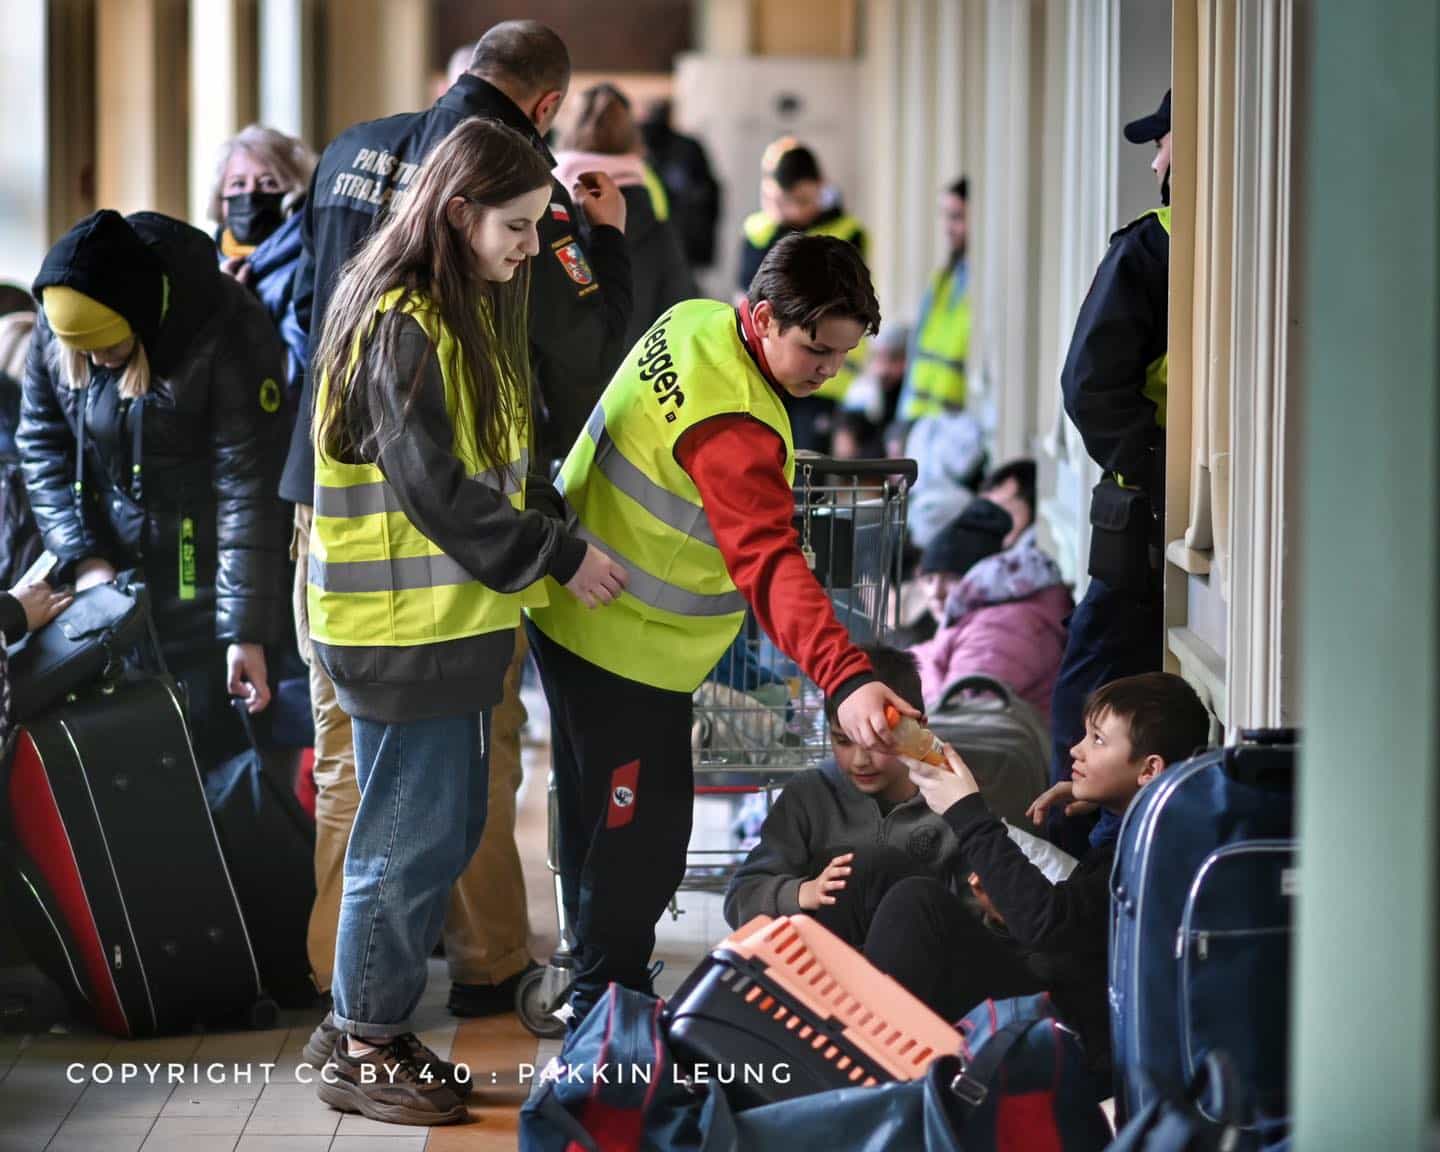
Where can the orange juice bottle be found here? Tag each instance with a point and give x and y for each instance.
(913, 739)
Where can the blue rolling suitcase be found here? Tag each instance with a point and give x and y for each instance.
(1201, 913)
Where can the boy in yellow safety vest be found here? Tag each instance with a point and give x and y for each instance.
(683, 477)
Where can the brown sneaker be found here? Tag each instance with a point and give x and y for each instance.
(321, 1045)
(394, 1084)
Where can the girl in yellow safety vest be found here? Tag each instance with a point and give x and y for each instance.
(422, 555)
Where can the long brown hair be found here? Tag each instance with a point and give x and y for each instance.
(418, 251)
(604, 123)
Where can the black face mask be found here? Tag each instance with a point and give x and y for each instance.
(1165, 189)
(252, 216)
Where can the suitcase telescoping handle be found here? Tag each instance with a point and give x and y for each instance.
(1270, 737)
(975, 683)
(1261, 761)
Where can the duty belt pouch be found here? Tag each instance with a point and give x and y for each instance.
(1121, 529)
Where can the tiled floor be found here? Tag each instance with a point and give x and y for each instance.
(259, 1109)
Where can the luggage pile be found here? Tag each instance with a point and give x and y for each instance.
(155, 899)
(786, 1038)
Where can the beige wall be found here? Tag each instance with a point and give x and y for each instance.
(142, 82)
(803, 27)
(376, 54)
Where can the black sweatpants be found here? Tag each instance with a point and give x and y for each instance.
(624, 789)
(874, 872)
(937, 946)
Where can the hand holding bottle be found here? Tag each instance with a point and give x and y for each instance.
(913, 739)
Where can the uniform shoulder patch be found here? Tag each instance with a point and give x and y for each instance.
(572, 259)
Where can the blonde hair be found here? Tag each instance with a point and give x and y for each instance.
(75, 367)
(287, 156)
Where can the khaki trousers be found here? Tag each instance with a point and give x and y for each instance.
(486, 923)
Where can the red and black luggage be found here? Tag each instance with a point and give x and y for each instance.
(127, 900)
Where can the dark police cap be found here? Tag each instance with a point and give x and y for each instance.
(1150, 127)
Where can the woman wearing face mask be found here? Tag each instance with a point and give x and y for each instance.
(151, 436)
(423, 553)
(260, 186)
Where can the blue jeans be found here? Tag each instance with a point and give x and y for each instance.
(422, 810)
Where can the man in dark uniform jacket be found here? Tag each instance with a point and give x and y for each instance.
(1114, 387)
(580, 304)
(580, 292)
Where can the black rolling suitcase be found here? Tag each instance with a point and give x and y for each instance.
(124, 891)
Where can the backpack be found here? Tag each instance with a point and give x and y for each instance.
(1019, 1084)
(1002, 738)
(613, 1087)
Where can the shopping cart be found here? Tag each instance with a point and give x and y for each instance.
(758, 720)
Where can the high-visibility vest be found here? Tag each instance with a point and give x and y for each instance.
(659, 198)
(760, 231)
(628, 495)
(1157, 372)
(376, 580)
(935, 376)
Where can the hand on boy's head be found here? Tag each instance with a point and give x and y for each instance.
(943, 788)
(861, 715)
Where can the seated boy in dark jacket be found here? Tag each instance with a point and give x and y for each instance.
(1049, 937)
(840, 836)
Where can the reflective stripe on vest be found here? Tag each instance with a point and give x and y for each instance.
(664, 505)
(935, 380)
(401, 573)
(374, 579)
(629, 496)
(378, 496)
(1157, 372)
(657, 593)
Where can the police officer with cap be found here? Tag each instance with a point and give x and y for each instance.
(1114, 389)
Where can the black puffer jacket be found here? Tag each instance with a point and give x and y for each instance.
(213, 443)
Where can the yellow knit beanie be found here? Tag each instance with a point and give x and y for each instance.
(80, 322)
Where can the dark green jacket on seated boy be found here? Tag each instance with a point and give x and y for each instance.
(840, 836)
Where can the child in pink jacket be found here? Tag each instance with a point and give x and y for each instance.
(1001, 611)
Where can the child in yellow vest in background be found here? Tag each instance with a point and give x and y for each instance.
(795, 198)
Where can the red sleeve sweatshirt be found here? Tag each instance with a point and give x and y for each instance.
(738, 463)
